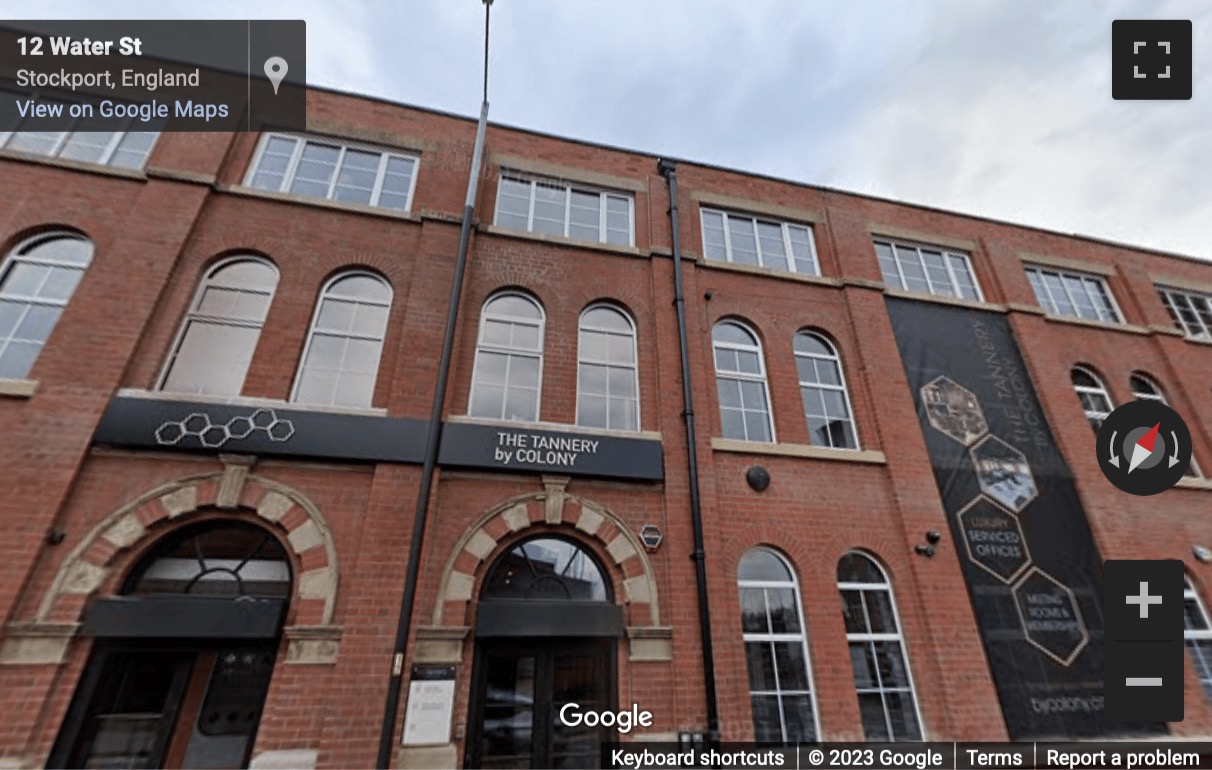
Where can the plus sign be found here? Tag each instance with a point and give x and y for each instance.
(1144, 600)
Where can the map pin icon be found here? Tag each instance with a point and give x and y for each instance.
(275, 70)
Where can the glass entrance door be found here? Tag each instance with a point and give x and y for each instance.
(520, 688)
(172, 707)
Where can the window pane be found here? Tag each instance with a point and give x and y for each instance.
(761, 666)
(792, 668)
(592, 411)
(774, 253)
(875, 727)
(17, 358)
(797, 715)
(753, 611)
(356, 181)
(744, 245)
(713, 236)
(38, 322)
(887, 261)
(767, 728)
(315, 170)
(61, 283)
(10, 314)
(521, 404)
(275, 158)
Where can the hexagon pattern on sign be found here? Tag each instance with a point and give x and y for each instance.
(994, 539)
(1003, 473)
(954, 410)
(213, 435)
(1050, 616)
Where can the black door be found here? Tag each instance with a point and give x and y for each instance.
(167, 706)
(520, 687)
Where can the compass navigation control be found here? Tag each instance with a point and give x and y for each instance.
(1144, 447)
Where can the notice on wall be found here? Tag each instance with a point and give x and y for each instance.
(549, 451)
(1032, 569)
(430, 705)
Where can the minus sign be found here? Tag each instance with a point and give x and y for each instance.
(1143, 681)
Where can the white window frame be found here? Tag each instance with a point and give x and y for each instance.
(1101, 390)
(1035, 276)
(1197, 304)
(15, 257)
(1192, 637)
(343, 146)
(192, 314)
(635, 366)
(801, 637)
(835, 358)
(65, 135)
(899, 637)
(315, 318)
(754, 220)
(1193, 470)
(539, 354)
(946, 252)
(569, 188)
(743, 376)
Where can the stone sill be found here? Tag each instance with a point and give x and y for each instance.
(1114, 327)
(798, 450)
(943, 299)
(74, 165)
(18, 388)
(1197, 483)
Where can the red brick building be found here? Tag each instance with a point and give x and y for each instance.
(219, 354)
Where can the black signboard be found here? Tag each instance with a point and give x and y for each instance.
(207, 427)
(547, 451)
(1032, 569)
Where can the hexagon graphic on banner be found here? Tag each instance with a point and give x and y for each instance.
(1003, 473)
(994, 539)
(1050, 616)
(954, 410)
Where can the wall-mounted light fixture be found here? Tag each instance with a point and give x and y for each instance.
(650, 536)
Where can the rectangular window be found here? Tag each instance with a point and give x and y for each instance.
(1191, 312)
(81, 141)
(566, 210)
(746, 240)
(927, 270)
(1078, 295)
(324, 168)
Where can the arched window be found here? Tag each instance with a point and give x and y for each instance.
(823, 390)
(1145, 389)
(183, 660)
(220, 332)
(607, 379)
(740, 378)
(1197, 631)
(215, 559)
(341, 360)
(1092, 394)
(776, 648)
(509, 359)
(877, 652)
(547, 568)
(36, 283)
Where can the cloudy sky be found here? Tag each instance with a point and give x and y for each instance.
(999, 108)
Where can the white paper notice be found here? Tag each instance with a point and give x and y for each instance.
(430, 704)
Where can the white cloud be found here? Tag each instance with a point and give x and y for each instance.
(1001, 109)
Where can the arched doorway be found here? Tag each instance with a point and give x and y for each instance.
(184, 655)
(546, 629)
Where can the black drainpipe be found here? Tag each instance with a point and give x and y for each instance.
(668, 169)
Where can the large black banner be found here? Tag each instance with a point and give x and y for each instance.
(1033, 572)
